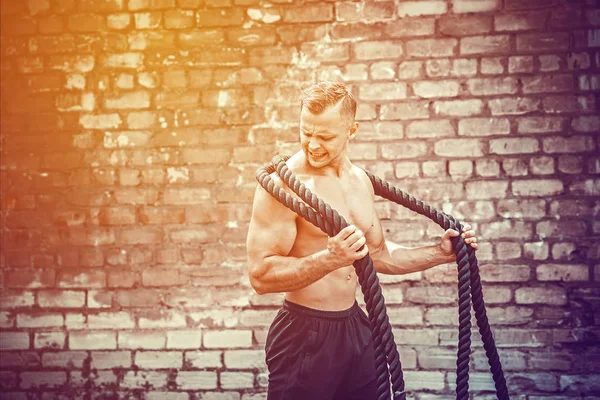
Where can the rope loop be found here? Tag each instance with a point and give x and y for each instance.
(387, 359)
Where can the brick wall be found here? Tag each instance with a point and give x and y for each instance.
(131, 130)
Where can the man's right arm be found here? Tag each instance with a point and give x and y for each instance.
(271, 236)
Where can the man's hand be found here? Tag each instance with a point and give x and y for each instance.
(468, 235)
(344, 247)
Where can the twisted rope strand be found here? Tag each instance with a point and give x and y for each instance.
(329, 221)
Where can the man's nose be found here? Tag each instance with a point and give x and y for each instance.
(313, 143)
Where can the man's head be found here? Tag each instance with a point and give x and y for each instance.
(326, 122)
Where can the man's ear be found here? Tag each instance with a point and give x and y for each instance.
(353, 130)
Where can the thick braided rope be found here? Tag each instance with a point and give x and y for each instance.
(386, 351)
(387, 191)
(383, 338)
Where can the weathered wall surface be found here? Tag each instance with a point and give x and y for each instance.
(131, 130)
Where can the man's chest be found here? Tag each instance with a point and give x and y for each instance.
(350, 198)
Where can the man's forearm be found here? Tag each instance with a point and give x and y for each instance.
(398, 260)
(286, 274)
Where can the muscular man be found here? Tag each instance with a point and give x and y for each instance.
(319, 345)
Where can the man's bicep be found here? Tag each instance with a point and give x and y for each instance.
(272, 229)
(375, 237)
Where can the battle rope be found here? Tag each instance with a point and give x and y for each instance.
(329, 221)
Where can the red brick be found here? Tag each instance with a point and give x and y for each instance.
(542, 165)
(404, 111)
(158, 360)
(85, 22)
(30, 278)
(163, 277)
(568, 104)
(79, 279)
(573, 144)
(138, 298)
(99, 299)
(410, 27)
(141, 235)
(62, 298)
(437, 68)
(16, 299)
(520, 64)
(522, 21)
(492, 86)
(420, 8)
(220, 17)
(111, 359)
(544, 295)
(562, 272)
(458, 108)
(513, 106)
(52, 340)
(432, 128)
(382, 91)
(144, 379)
(434, 89)
(514, 146)
(485, 45)
(87, 340)
(42, 379)
(147, 20)
(561, 228)
(179, 19)
(237, 380)
(196, 380)
(110, 320)
(117, 216)
(465, 25)
(267, 35)
(309, 13)
(161, 216)
(570, 164)
(458, 148)
(483, 126)
(185, 196)
(547, 83)
(537, 42)
(487, 189)
(431, 47)
(330, 52)
(227, 339)
(192, 39)
(18, 25)
(586, 124)
(123, 60)
(338, 31)
(99, 5)
(118, 21)
(64, 359)
(540, 124)
(162, 319)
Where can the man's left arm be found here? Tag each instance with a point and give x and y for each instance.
(394, 259)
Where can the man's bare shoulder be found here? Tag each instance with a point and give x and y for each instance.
(267, 200)
(363, 177)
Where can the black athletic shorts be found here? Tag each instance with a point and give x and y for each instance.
(313, 355)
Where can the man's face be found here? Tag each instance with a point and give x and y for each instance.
(324, 137)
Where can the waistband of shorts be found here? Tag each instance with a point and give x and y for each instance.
(312, 312)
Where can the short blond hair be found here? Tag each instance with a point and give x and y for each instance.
(325, 94)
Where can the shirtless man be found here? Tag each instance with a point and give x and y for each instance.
(319, 345)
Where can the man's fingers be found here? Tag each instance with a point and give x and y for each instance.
(363, 252)
(347, 231)
(354, 237)
(358, 243)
